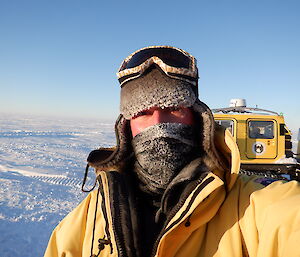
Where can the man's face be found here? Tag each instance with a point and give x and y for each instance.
(156, 115)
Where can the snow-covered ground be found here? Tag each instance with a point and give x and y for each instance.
(42, 162)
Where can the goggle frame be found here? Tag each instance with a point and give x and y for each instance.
(189, 75)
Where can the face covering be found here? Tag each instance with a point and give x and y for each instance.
(161, 151)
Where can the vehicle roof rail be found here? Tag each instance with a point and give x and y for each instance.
(242, 110)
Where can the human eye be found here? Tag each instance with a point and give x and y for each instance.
(177, 111)
(144, 113)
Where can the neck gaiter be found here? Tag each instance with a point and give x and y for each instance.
(161, 151)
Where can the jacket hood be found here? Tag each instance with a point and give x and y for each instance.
(221, 154)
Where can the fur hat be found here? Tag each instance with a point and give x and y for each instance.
(155, 89)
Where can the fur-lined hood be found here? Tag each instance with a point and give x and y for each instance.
(218, 148)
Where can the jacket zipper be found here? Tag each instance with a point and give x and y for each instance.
(177, 208)
(119, 238)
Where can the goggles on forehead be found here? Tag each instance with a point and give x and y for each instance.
(173, 61)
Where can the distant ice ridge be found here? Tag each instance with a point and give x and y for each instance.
(42, 162)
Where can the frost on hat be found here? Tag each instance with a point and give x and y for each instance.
(155, 89)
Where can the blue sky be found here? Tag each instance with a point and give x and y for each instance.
(60, 57)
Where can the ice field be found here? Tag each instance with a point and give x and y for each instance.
(42, 162)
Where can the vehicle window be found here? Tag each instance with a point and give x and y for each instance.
(227, 124)
(261, 129)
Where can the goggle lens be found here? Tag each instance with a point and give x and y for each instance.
(170, 56)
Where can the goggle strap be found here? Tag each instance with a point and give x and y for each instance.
(192, 71)
(188, 79)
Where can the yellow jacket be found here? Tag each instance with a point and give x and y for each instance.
(242, 218)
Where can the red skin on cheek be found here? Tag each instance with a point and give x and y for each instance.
(157, 115)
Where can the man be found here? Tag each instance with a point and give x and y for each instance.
(171, 185)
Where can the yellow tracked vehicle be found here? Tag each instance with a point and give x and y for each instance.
(263, 138)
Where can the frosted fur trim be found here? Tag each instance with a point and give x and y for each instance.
(212, 158)
(155, 89)
(113, 158)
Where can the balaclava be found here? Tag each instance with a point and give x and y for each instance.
(161, 151)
